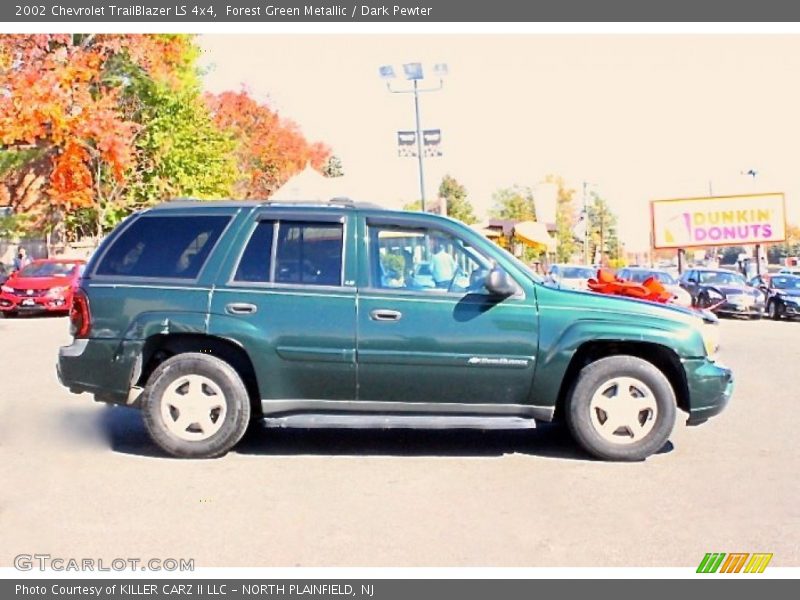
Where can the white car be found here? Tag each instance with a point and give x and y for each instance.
(641, 274)
(570, 277)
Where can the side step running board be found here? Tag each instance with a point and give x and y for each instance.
(349, 421)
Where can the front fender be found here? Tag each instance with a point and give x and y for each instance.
(560, 339)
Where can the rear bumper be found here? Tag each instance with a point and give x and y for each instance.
(95, 366)
(710, 389)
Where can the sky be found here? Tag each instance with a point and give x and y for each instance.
(637, 117)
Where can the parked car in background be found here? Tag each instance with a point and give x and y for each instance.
(45, 285)
(570, 277)
(723, 292)
(641, 274)
(782, 295)
(789, 271)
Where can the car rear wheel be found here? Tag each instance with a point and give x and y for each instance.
(196, 406)
(621, 408)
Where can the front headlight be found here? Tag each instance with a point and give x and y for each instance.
(7, 289)
(57, 292)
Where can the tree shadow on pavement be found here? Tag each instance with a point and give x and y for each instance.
(125, 431)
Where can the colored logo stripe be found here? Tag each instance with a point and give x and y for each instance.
(712, 562)
(734, 562)
(758, 563)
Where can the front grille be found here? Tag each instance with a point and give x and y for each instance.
(23, 293)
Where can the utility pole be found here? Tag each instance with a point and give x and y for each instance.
(586, 225)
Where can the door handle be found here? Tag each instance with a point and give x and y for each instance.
(381, 314)
(240, 308)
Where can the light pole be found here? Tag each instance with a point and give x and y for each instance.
(414, 72)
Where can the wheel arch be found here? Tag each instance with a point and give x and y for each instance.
(159, 347)
(662, 357)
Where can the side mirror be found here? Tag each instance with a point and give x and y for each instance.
(500, 283)
(691, 280)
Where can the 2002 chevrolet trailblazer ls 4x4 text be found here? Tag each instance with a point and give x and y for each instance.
(209, 314)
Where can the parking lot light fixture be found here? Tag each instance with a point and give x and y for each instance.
(386, 72)
(414, 72)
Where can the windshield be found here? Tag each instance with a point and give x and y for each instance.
(577, 273)
(721, 278)
(786, 283)
(642, 276)
(47, 269)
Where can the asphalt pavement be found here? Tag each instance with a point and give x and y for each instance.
(80, 479)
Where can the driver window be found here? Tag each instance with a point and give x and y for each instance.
(424, 260)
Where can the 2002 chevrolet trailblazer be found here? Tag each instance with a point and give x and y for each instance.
(207, 315)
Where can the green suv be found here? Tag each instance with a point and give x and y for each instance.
(206, 315)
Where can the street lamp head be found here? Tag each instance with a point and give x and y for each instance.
(441, 70)
(413, 71)
(386, 72)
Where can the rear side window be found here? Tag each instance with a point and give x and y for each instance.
(174, 247)
(309, 253)
(257, 257)
(304, 252)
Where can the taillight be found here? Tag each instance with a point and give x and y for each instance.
(79, 317)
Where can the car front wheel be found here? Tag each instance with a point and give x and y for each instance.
(774, 310)
(621, 408)
(196, 406)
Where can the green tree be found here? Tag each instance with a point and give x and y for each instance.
(602, 230)
(455, 195)
(181, 151)
(333, 167)
(515, 203)
(566, 219)
(415, 205)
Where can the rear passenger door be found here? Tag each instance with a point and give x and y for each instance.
(286, 297)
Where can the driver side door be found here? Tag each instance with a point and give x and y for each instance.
(421, 342)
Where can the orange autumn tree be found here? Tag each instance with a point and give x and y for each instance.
(270, 149)
(67, 132)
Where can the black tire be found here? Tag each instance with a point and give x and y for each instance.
(775, 310)
(234, 396)
(597, 374)
(703, 301)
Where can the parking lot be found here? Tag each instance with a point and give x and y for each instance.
(80, 479)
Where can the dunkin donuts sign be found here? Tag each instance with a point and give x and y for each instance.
(718, 221)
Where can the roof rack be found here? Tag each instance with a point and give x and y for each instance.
(341, 202)
(338, 202)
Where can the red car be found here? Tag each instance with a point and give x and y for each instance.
(42, 286)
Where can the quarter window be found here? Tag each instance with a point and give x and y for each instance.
(163, 246)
